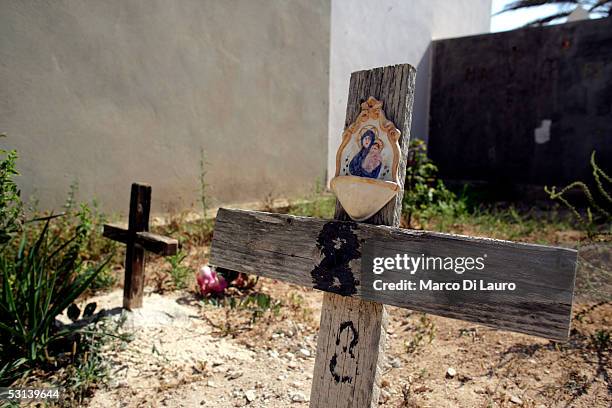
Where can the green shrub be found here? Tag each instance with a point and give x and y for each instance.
(93, 247)
(39, 280)
(424, 192)
(46, 263)
(10, 200)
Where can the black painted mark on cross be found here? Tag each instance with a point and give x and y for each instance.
(334, 360)
(339, 245)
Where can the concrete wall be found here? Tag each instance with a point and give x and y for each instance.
(110, 92)
(367, 34)
(525, 106)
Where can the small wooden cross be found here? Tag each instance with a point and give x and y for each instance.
(336, 257)
(137, 239)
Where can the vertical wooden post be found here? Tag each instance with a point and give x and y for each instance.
(350, 349)
(140, 207)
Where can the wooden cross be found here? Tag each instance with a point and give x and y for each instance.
(137, 239)
(336, 257)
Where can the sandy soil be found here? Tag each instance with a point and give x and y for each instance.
(187, 354)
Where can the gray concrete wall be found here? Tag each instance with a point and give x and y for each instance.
(523, 107)
(110, 92)
(367, 34)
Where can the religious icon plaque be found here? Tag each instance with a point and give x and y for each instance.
(367, 163)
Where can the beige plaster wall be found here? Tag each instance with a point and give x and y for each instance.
(110, 92)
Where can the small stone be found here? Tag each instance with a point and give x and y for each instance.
(298, 397)
(305, 352)
(211, 384)
(296, 384)
(384, 396)
(121, 384)
(233, 375)
(250, 395)
(384, 383)
(451, 372)
(516, 400)
(396, 363)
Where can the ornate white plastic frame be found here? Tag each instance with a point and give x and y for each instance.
(372, 109)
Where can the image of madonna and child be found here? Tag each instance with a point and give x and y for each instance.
(368, 162)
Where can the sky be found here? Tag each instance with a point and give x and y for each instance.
(518, 18)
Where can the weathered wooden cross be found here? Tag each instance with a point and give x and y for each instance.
(336, 257)
(137, 239)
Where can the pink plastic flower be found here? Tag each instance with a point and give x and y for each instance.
(209, 282)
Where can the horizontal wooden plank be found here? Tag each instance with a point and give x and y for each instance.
(156, 243)
(151, 242)
(116, 233)
(327, 255)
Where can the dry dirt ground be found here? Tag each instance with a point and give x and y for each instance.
(186, 353)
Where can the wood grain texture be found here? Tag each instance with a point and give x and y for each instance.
(292, 248)
(158, 244)
(140, 207)
(349, 353)
(115, 232)
(155, 243)
(394, 86)
(360, 365)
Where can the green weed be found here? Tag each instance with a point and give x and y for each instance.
(93, 247)
(424, 333)
(598, 216)
(39, 281)
(180, 274)
(601, 340)
(90, 367)
(256, 302)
